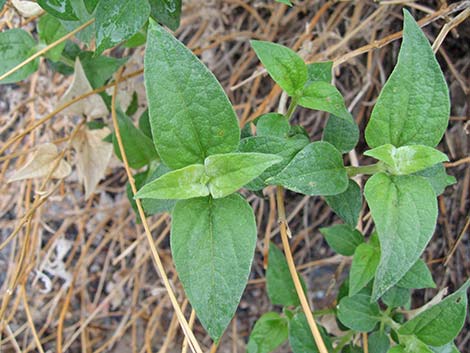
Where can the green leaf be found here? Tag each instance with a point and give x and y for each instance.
(321, 71)
(341, 133)
(417, 277)
(167, 12)
(83, 15)
(324, 96)
(342, 238)
(407, 159)
(144, 124)
(316, 170)
(413, 107)
(397, 349)
(437, 177)
(90, 5)
(397, 297)
(286, 2)
(229, 172)
(213, 243)
(347, 205)
(184, 183)
(117, 21)
(188, 123)
(61, 9)
(99, 69)
(154, 206)
(272, 124)
(365, 261)
(283, 65)
(2, 3)
(133, 105)
(138, 147)
(378, 342)
(300, 336)
(16, 45)
(441, 323)
(448, 348)
(270, 332)
(50, 29)
(359, 313)
(404, 210)
(279, 283)
(286, 148)
(414, 345)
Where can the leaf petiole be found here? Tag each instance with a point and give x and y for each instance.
(366, 169)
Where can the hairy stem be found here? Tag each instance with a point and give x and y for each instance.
(365, 169)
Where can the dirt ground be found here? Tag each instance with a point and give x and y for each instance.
(82, 269)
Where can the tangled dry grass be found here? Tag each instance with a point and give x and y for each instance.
(77, 275)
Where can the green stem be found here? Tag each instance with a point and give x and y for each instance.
(291, 109)
(344, 340)
(365, 169)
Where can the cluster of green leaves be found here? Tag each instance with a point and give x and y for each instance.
(115, 22)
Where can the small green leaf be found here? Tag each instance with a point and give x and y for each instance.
(154, 206)
(83, 15)
(341, 133)
(180, 184)
(441, 323)
(61, 9)
(413, 107)
(404, 210)
(365, 261)
(448, 348)
(321, 71)
(99, 69)
(213, 243)
(286, 2)
(229, 172)
(300, 336)
(417, 277)
(397, 349)
(413, 344)
(144, 124)
(117, 21)
(378, 342)
(347, 205)
(270, 332)
(90, 5)
(16, 45)
(133, 105)
(50, 29)
(437, 177)
(138, 147)
(324, 96)
(407, 159)
(272, 124)
(279, 283)
(342, 238)
(397, 297)
(359, 313)
(167, 12)
(283, 65)
(316, 170)
(188, 123)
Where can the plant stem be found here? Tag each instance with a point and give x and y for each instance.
(365, 169)
(293, 271)
(343, 341)
(291, 109)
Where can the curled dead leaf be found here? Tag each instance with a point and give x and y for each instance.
(26, 8)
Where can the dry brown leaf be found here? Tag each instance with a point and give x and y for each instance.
(92, 106)
(93, 155)
(26, 8)
(41, 163)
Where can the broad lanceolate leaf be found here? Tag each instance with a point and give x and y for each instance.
(269, 332)
(138, 147)
(279, 283)
(407, 159)
(342, 238)
(417, 277)
(283, 65)
(229, 172)
(272, 124)
(321, 71)
(441, 323)
(16, 45)
(404, 210)
(117, 21)
(347, 205)
(324, 96)
(359, 313)
(50, 29)
(300, 336)
(437, 177)
(213, 243)
(167, 12)
(341, 133)
(413, 107)
(190, 114)
(184, 183)
(365, 261)
(61, 9)
(379, 342)
(316, 170)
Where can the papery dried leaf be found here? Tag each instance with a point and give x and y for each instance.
(93, 155)
(92, 106)
(41, 163)
(26, 8)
